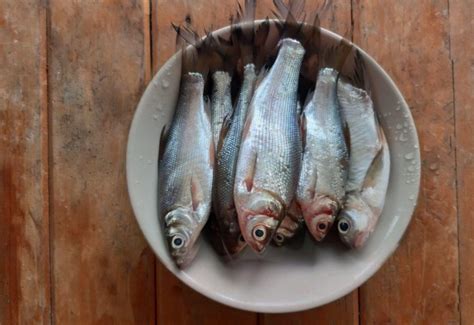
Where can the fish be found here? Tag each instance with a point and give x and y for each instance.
(230, 139)
(362, 209)
(358, 114)
(291, 225)
(325, 162)
(221, 102)
(186, 168)
(186, 154)
(269, 157)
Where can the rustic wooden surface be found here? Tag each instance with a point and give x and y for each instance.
(71, 74)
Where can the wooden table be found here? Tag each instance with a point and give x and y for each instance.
(71, 74)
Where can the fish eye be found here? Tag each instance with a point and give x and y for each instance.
(343, 226)
(279, 238)
(259, 233)
(177, 242)
(322, 226)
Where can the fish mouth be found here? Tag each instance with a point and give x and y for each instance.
(259, 232)
(320, 225)
(180, 232)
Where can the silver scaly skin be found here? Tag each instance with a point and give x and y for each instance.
(362, 210)
(269, 158)
(358, 113)
(186, 171)
(321, 187)
(221, 103)
(223, 200)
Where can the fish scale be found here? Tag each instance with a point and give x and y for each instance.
(186, 170)
(224, 208)
(321, 188)
(271, 140)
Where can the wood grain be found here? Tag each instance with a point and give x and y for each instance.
(24, 218)
(336, 18)
(461, 14)
(177, 303)
(103, 270)
(419, 283)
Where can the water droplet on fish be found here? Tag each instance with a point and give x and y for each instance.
(137, 182)
(403, 137)
(434, 166)
(412, 197)
(155, 116)
(411, 168)
(140, 157)
(168, 73)
(409, 156)
(165, 84)
(397, 108)
(399, 126)
(149, 162)
(405, 124)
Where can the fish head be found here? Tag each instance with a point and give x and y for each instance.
(181, 232)
(262, 216)
(288, 228)
(354, 226)
(320, 218)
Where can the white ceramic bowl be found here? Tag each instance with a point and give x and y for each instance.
(283, 280)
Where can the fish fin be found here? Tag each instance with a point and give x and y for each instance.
(336, 56)
(224, 131)
(359, 77)
(347, 137)
(374, 170)
(261, 38)
(163, 141)
(303, 130)
(196, 193)
(290, 18)
(249, 176)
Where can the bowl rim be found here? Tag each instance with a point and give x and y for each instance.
(288, 307)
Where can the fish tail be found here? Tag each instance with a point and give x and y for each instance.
(359, 77)
(197, 54)
(336, 56)
(290, 18)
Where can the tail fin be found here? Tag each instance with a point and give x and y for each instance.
(336, 56)
(290, 18)
(197, 54)
(359, 77)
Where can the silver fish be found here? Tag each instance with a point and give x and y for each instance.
(221, 103)
(224, 207)
(186, 171)
(269, 158)
(362, 209)
(321, 187)
(358, 113)
(290, 226)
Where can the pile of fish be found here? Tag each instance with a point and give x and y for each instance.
(286, 142)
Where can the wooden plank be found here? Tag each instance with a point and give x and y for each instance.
(341, 312)
(177, 303)
(411, 41)
(173, 295)
(103, 270)
(337, 18)
(24, 218)
(461, 14)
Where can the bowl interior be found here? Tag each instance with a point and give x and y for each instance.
(284, 279)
